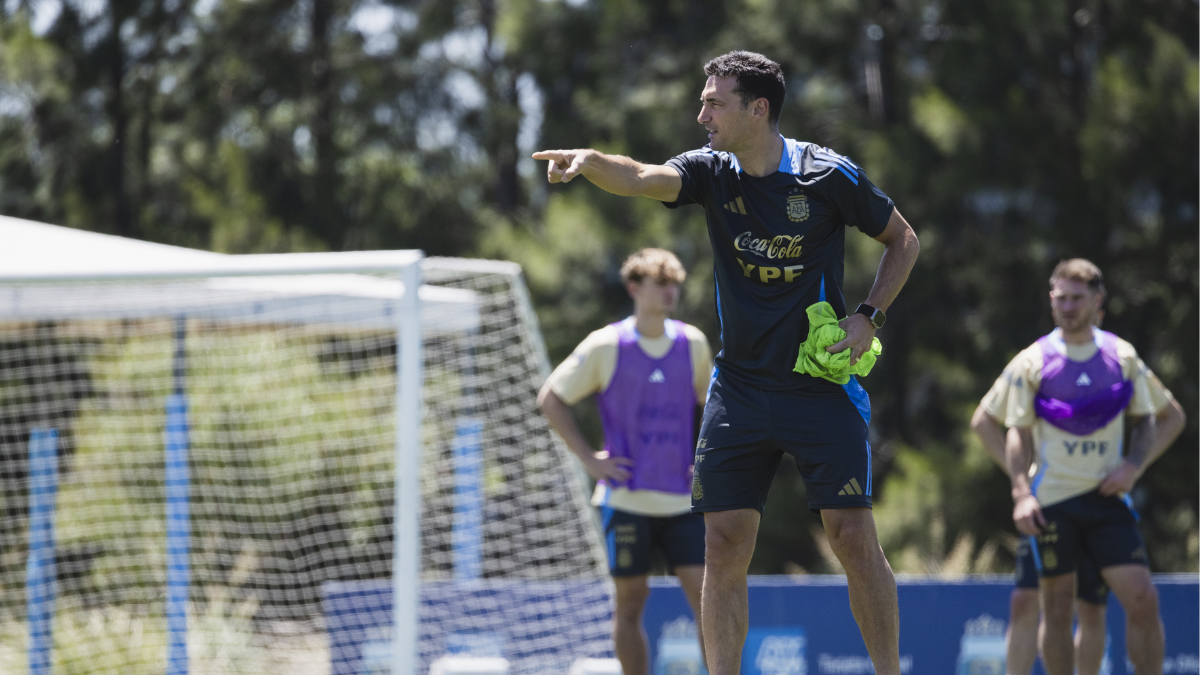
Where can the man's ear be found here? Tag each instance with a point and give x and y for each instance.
(762, 107)
(631, 287)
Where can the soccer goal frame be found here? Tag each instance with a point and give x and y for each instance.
(406, 265)
(477, 525)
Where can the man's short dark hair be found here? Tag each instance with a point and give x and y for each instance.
(1081, 270)
(757, 77)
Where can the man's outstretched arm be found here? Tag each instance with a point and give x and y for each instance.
(613, 173)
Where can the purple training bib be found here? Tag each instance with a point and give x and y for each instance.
(1082, 397)
(648, 412)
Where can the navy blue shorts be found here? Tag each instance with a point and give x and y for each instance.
(1089, 585)
(632, 539)
(745, 432)
(1093, 526)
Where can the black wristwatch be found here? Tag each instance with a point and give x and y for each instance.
(876, 316)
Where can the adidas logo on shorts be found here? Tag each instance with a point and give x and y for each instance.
(852, 488)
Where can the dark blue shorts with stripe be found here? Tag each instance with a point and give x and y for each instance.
(1089, 585)
(632, 540)
(1090, 526)
(745, 432)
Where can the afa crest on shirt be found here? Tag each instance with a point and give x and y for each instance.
(797, 207)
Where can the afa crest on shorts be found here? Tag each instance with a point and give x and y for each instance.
(797, 207)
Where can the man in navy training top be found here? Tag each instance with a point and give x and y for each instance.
(648, 374)
(1067, 397)
(777, 212)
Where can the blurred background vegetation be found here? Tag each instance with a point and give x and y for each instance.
(1011, 134)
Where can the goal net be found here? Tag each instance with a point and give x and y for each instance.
(197, 475)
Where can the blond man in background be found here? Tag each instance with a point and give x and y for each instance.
(649, 374)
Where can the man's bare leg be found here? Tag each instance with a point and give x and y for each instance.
(872, 587)
(1020, 645)
(691, 578)
(1090, 636)
(629, 637)
(729, 538)
(1058, 611)
(1144, 640)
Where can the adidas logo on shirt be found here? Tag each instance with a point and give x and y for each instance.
(736, 206)
(657, 376)
(1083, 381)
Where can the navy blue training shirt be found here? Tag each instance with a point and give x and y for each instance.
(779, 245)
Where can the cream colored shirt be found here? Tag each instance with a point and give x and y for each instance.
(1065, 469)
(589, 370)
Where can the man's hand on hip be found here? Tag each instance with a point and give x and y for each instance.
(859, 333)
(604, 467)
(1120, 480)
(1027, 515)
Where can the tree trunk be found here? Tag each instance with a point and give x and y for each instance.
(122, 213)
(324, 212)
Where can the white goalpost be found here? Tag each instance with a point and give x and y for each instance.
(301, 463)
(406, 551)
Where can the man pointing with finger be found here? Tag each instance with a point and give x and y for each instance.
(777, 212)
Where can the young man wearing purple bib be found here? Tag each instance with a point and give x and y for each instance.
(1067, 397)
(649, 374)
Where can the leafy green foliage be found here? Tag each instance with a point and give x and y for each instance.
(1010, 134)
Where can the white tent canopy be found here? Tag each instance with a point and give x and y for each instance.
(36, 259)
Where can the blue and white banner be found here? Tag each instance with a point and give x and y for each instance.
(798, 626)
(802, 625)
